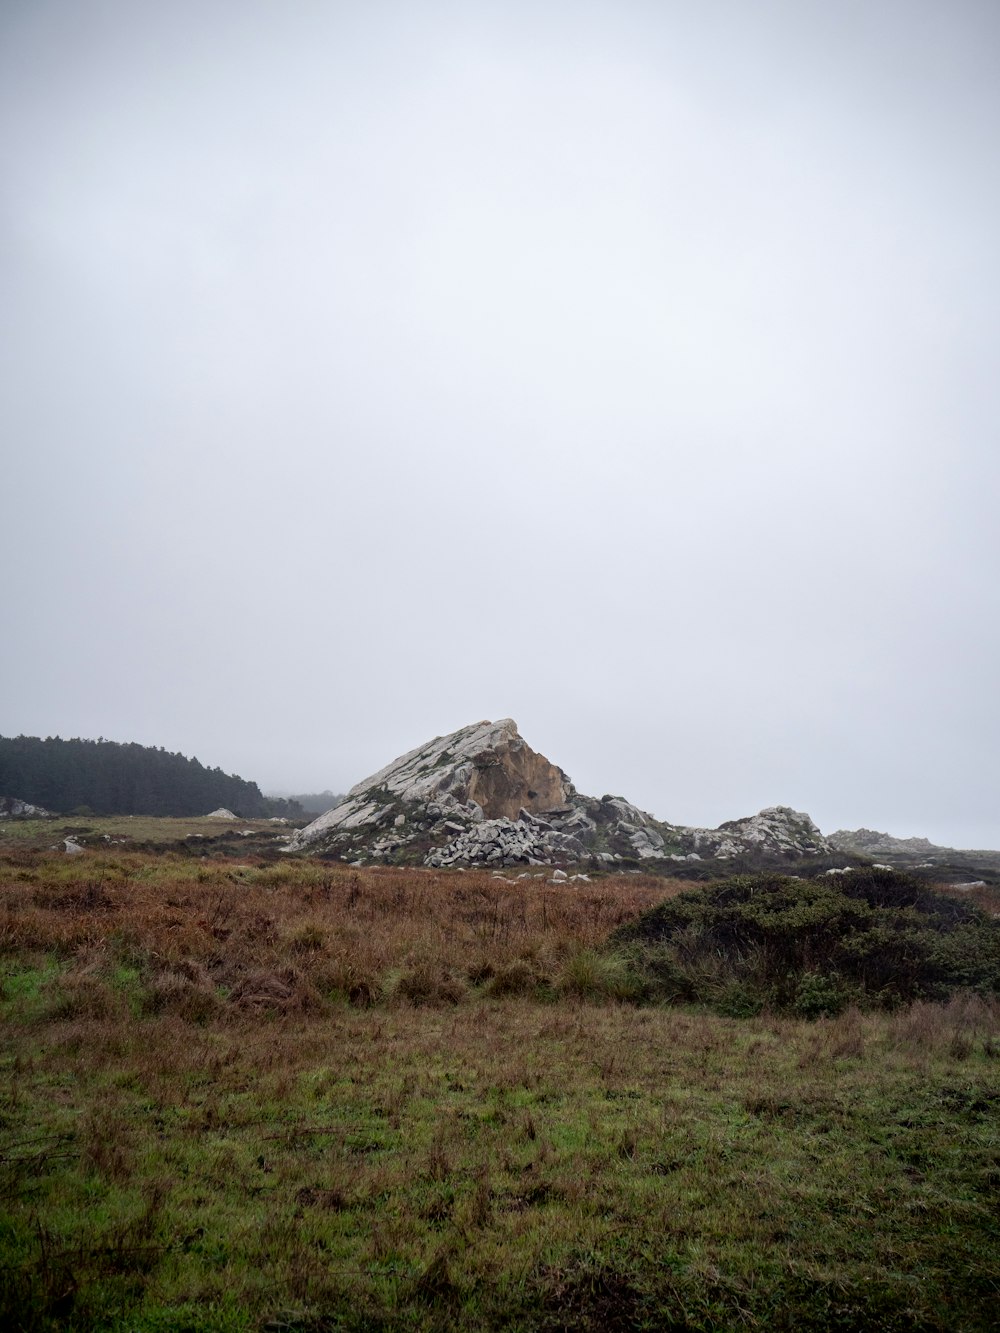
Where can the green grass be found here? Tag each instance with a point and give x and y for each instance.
(127, 830)
(263, 1096)
(24, 985)
(500, 1165)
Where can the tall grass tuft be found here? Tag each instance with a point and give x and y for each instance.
(591, 975)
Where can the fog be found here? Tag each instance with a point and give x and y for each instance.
(624, 368)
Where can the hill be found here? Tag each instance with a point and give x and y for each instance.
(107, 778)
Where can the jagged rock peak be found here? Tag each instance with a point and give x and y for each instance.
(487, 762)
(485, 771)
(482, 796)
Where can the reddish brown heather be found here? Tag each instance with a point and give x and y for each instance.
(285, 936)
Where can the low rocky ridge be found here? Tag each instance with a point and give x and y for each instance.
(958, 865)
(871, 843)
(482, 796)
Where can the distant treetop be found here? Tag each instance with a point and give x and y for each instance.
(113, 778)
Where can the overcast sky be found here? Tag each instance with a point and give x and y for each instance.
(629, 369)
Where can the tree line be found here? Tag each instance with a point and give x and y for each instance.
(111, 778)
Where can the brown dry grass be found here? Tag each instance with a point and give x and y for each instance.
(292, 936)
(259, 1095)
(984, 896)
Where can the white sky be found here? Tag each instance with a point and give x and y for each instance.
(629, 369)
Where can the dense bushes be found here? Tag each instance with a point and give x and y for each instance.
(871, 937)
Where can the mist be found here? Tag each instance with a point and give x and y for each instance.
(628, 370)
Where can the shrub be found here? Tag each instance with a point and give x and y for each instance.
(813, 947)
(737, 1000)
(820, 995)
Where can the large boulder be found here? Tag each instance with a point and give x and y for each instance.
(487, 764)
(483, 796)
(482, 772)
(11, 807)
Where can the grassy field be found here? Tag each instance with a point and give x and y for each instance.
(259, 1095)
(142, 832)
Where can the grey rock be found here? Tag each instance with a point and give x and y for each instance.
(481, 796)
(867, 842)
(11, 807)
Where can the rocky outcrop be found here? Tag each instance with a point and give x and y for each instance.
(486, 764)
(482, 796)
(778, 830)
(13, 808)
(960, 866)
(482, 774)
(868, 842)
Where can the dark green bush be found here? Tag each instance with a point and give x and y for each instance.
(821, 995)
(737, 1000)
(812, 947)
